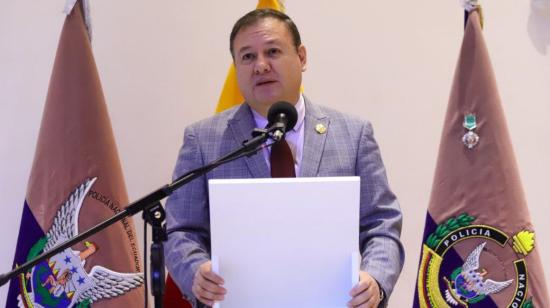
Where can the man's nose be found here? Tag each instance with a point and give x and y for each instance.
(262, 66)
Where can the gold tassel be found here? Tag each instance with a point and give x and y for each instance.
(480, 13)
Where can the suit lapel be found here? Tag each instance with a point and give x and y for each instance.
(314, 142)
(241, 126)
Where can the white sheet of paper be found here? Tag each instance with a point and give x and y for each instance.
(286, 242)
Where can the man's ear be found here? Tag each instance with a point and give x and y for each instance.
(302, 54)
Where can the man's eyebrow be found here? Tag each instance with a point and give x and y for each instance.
(243, 49)
(273, 41)
(268, 42)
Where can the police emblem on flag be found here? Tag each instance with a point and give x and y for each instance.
(62, 281)
(447, 281)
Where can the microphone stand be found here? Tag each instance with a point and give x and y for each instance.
(153, 214)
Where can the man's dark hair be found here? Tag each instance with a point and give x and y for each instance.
(253, 17)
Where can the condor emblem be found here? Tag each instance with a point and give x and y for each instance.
(445, 280)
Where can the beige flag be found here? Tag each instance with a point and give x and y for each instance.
(76, 182)
(480, 248)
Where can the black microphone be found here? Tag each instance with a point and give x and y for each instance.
(281, 117)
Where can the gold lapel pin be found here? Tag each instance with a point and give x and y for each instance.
(320, 128)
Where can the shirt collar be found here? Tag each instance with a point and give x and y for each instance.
(261, 121)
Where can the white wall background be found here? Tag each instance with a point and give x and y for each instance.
(162, 65)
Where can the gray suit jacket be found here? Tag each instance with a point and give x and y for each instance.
(347, 148)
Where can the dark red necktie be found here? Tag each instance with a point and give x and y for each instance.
(282, 161)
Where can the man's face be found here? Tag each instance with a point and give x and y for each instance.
(269, 68)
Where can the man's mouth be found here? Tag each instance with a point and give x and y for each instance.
(264, 82)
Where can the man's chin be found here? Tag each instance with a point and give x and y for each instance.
(268, 101)
(262, 106)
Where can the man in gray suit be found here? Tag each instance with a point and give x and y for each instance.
(269, 59)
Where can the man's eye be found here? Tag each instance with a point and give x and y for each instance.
(273, 51)
(247, 57)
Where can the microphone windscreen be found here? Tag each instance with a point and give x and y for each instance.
(285, 108)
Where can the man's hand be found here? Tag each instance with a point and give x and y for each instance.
(207, 285)
(366, 293)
